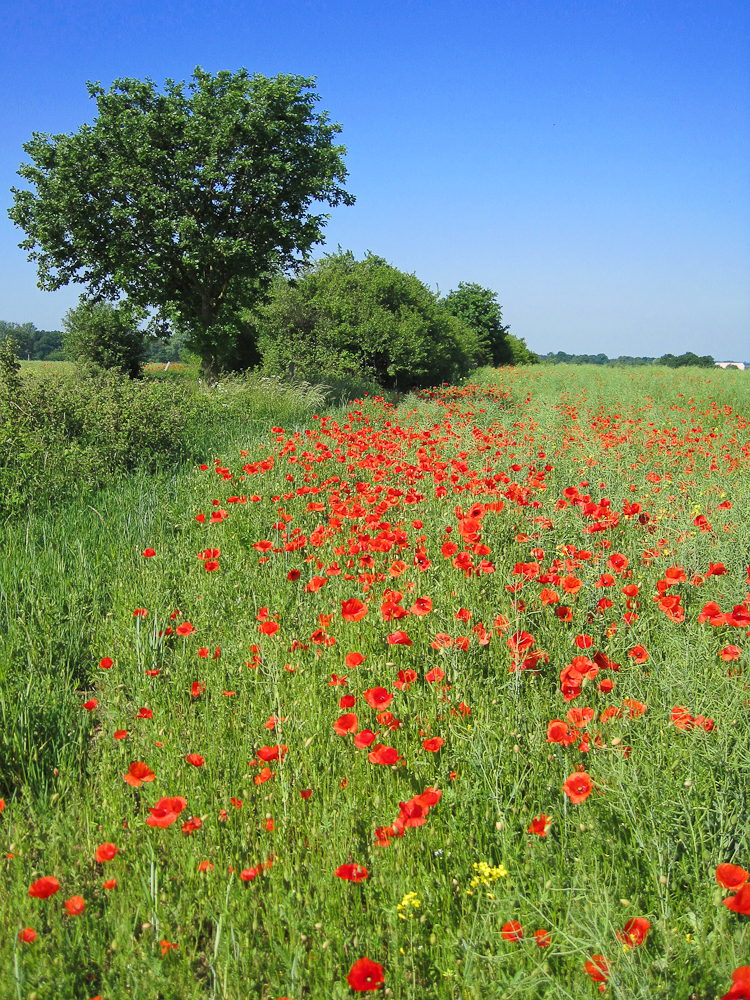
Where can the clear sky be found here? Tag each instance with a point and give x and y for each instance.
(589, 161)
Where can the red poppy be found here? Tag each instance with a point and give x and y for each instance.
(44, 887)
(729, 653)
(248, 874)
(185, 629)
(571, 584)
(378, 698)
(148, 553)
(315, 584)
(306, 793)
(353, 610)
(617, 562)
(293, 575)
(27, 935)
(740, 989)
(382, 754)
(165, 811)
(353, 660)
(268, 628)
(365, 975)
(399, 638)
(542, 938)
(548, 596)
(195, 759)
(422, 606)
(348, 701)
(578, 787)
(106, 662)
(273, 753)
(433, 745)
(512, 931)
(106, 852)
(434, 675)
(405, 679)
(352, 872)
(144, 713)
(364, 739)
(110, 883)
(138, 773)
(740, 902)
(540, 825)
(90, 705)
(205, 866)
(583, 641)
(197, 688)
(166, 946)
(597, 968)
(346, 724)
(639, 654)
(731, 876)
(191, 825)
(579, 716)
(75, 905)
(120, 734)
(634, 931)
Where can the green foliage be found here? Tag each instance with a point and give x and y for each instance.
(520, 353)
(362, 319)
(184, 202)
(626, 361)
(687, 360)
(106, 335)
(33, 344)
(478, 307)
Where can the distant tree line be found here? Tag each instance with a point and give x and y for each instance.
(669, 360)
(33, 344)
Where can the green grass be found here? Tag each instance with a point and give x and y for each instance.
(645, 843)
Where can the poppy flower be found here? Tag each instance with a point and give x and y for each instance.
(434, 675)
(44, 887)
(138, 773)
(110, 883)
(106, 662)
(597, 968)
(165, 811)
(144, 713)
(382, 754)
(90, 705)
(579, 716)
(27, 935)
(268, 628)
(405, 679)
(167, 946)
(365, 976)
(352, 872)
(512, 931)
(583, 641)
(186, 628)
(422, 606)
(731, 876)
(353, 610)
(348, 701)
(364, 738)
(378, 698)
(578, 787)
(106, 852)
(248, 874)
(293, 575)
(277, 752)
(542, 938)
(571, 584)
(197, 688)
(147, 553)
(433, 745)
(195, 759)
(548, 596)
(564, 613)
(634, 931)
(315, 584)
(191, 825)
(729, 653)
(638, 654)
(740, 902)
(353, 660)
(346, 724)
(540, 825)
(399, 638)
(75, 905)
(120, 734)
(306, 793)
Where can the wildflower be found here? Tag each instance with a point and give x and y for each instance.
(109, 884)
(409, 902)
(166, 811)
(148, 553)
(120, 734)
(205, 866)
(740, 902)
(365, 975)
(731, 876)
(75, 905)
(27, 935)
(90, 705)
(186, 628)
(353, 660)
(106, 662)
(597, 968)
(352, 872)
(634, 932)
(44, 887)
(353, 610)
(378, 698)
(364, 739)
(433, 745)
(542, 938)
(382, 754)
(268, 628)
(167, 946)
(195, 759)
(106, 852)
(197, 688)
(638, 654)
(512, 931)
(138, 773)
(144, 713)
(346, 724)
(540, 825)
(434, 675)
(399, 638)
(578, 787)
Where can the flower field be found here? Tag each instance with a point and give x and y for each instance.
(439, 700)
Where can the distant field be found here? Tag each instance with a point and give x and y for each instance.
(458, 686)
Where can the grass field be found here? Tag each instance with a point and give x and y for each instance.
(455, 686)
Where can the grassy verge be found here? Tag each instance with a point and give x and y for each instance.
(456, 521)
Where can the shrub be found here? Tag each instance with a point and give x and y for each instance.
(350, 319)
(478, 307)
(521, 355)
(105, 335)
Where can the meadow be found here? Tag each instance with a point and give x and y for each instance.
(437, 697)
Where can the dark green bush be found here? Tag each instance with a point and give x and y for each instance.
(350, 319)
(106, 335)
(479, 308)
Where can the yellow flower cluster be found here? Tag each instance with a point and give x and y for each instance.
(409, 901)
(485, 876)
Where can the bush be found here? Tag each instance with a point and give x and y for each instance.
(478, 308)
(348, 319)
(520, 353)
(106, 335)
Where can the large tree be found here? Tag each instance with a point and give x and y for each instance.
(479, 308)
(185, 201)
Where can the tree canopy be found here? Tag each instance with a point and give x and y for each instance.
(479, 308)
(185, 201)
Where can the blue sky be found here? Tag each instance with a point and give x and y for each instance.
(589, 161)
